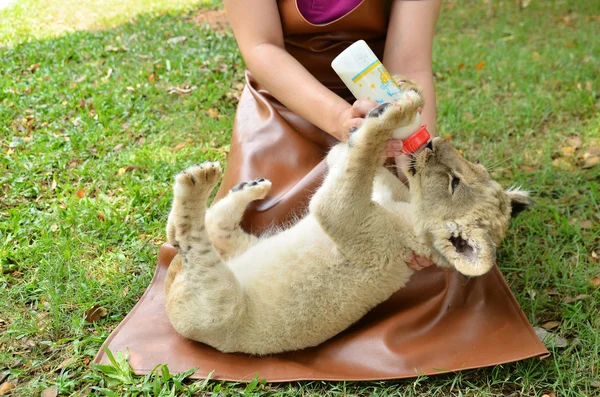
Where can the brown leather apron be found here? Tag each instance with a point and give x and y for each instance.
(441, 321)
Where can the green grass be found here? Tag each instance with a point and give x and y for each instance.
(88, 113)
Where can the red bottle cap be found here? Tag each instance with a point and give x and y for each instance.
(415, 141)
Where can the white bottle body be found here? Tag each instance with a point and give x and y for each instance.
(364, 75)
(366, 78)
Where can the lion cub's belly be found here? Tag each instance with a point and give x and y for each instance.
(300, 291)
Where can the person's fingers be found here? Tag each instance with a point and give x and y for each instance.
(423, 261)
(361, 107)
(417, 262)
(353, 124)
(393, 148)
(413, 264)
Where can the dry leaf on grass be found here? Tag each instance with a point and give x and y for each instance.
(50, 392)
(81, 193)
(575, 141)
(179, 146)
(185, 89)
(177, 40)
(550, 324)
(568, 299)
(549, 339)
(6, 388)
(591, 156)
(213, 113)
(129, 168)
(480, 65)
(95, 313)
(595, 281)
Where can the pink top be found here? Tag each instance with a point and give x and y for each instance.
(323, 11)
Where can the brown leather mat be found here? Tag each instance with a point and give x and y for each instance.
(398, 339)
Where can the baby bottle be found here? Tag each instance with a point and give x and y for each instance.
(366, 78)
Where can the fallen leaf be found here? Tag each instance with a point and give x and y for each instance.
(590, 162)
(568, 299)
(595, 255)
(549, 395)
(108, 74)
(95, 313)
(151, 77)
(121, 171)
(588, 86)
(460, 66)
(177, 40)
(101, 217)
(65, 363)
(528, 169)
(480, 65)
(448, 137)
(575, 141)
(118, 147)
(595, 383)
(550, 324)
(33, 68)
(213, 113)
(179, 146)
(567, 151)
(586, 224)
(81, 193)
(562, 164)
(50, 392)
(549, 339)
(595, 281)
(186, 89)
(6, 388)
(53, 185)
(112, 48)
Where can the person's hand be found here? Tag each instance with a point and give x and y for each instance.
(417, 263)
(353, 116)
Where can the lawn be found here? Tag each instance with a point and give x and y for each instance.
(100, 107)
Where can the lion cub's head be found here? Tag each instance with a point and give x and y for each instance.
(461, 212)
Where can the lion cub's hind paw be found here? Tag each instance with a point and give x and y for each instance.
(253, 190)
(199, 178)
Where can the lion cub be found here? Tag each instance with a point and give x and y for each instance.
(301, 286)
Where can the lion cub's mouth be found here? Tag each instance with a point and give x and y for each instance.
(420, 158)
(463, 248)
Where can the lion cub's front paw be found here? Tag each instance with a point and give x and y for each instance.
(197, 179)
(402, 112)
(253, 190)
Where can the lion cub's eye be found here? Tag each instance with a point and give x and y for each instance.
(454, 181)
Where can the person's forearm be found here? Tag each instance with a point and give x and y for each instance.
(408, 48)
(288, 81)
(425, 80)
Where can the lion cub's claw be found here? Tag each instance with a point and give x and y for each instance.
(255, 190)
(198, 178)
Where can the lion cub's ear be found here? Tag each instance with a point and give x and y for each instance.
(519, 200)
